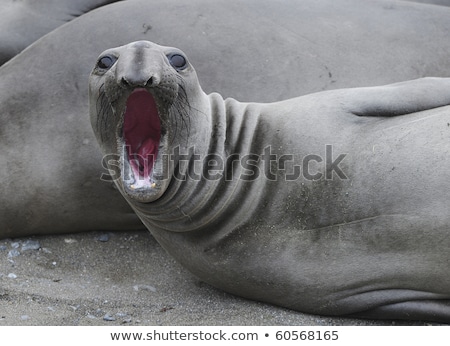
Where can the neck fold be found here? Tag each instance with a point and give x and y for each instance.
(206, 180)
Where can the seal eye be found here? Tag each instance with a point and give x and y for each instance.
(178, 61)
(106, 62)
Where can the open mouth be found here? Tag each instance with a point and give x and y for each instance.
(141, 135)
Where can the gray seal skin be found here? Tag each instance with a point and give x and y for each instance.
(50, 163)
(23, 22)
(363, 231)
(433, 2)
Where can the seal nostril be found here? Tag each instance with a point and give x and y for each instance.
(124, 82)
(129, 82)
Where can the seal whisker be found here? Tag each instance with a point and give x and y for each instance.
(104, 109)
(181, 110)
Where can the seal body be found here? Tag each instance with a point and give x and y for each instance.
(51, 164)
(332, 203)
(23, 22)
(434, 2)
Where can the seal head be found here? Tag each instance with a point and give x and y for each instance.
(140, 99)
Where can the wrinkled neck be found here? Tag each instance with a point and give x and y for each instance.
(206, 174)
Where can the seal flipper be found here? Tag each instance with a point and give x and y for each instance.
(399, 98)
(427, 310)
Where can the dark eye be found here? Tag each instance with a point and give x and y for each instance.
(178, 61)
(106, 62)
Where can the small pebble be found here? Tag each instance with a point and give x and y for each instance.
(13, 253)
(15, 245)
(70, 241)
(144, 288)
(3, 247)
(109, 318)
(31, 245)
(104, 237)
(74, 307)
(24, 317)
(12, 276)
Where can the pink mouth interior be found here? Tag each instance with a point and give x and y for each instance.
(141, 132)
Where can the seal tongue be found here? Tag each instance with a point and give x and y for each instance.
(141, 131)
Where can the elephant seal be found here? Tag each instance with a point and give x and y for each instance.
(50, 162)
(332, 203)
(23, 22)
